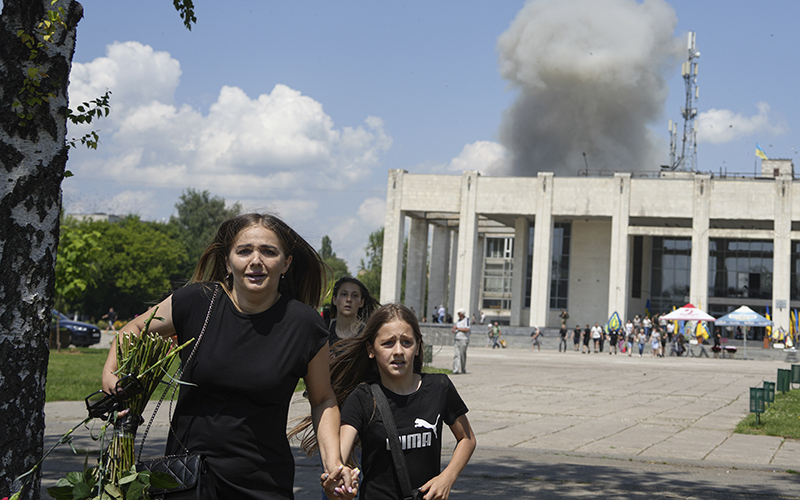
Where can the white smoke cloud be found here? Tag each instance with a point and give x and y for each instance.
(590, 75)
(718, 126)
(490, 158)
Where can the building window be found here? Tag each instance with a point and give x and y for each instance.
(795, 273)
(529, 267)
(559, 273)
(740, 268)
(498, 266)
(636, 279)
(671, 273)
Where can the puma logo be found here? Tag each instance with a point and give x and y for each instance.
(422, 423)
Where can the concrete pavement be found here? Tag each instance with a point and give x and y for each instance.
(554, 425)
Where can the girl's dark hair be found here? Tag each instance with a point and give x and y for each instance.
(351, 364)
(370, 304)
(303, 281)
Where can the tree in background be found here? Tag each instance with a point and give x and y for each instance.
(199, 216)
(369, 272)
(140, 263)
(337, 267)
(77, 263)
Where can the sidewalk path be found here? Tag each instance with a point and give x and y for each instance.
(556, 425)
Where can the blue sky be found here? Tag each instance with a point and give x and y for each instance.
(300, 108)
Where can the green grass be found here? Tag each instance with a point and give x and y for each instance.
(73, 374)
(782, 418)
(430, 369)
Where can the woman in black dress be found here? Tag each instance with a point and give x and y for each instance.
(263, 335)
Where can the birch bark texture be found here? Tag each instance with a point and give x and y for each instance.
(33, 157)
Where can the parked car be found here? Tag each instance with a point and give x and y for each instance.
(72, 332)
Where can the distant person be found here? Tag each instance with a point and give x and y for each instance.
(576, 337)
(111, 315)
(536, 338)
(613, 339)
(496, 335)
(587, 338)
(460, 342)
(597, 336)
(441, 312)
(483, 317)
(562, 338)
(564, 317)
(351, 305)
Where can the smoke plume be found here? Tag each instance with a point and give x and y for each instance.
(591, 78)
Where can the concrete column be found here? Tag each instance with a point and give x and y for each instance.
(394, 230)
(467, 241)
(521, 226)
(542, 251)
(451, 279)
(439, 268)
(618, 276)
(782, 252)
(698, 289)
(416, 265)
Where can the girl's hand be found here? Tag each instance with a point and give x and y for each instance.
(341, 484)
(437, 488)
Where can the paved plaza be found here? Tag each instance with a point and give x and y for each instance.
(555, 425)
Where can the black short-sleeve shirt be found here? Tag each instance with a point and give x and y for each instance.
(245, 370)
(419, 417)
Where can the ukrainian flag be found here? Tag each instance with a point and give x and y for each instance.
(769, 328)
(614, 322)
(702, 331)
(647, 308)
(760, 152)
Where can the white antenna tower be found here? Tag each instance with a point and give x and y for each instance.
(688, 158)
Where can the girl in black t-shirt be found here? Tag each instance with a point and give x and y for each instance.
(351, 305)
(389, 351)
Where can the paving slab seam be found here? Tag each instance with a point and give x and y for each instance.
(672, 461)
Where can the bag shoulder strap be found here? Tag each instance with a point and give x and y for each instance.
(174, 385)
(394, 440)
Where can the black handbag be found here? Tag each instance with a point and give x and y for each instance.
(189, 470)
(400, 468)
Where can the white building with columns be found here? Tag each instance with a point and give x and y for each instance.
(522, 248)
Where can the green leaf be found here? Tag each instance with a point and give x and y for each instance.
(74, 477)
(135, 491)
(60, 492)
(68, 173)
(113, 490)
(127, 478)
(81, 491)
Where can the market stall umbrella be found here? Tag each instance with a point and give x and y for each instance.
(688, 313)
(744, 316)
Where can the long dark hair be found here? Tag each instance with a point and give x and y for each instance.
(351, 364)
(370, 303)
(304, 281)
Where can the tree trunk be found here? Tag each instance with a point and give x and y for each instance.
(33, 157)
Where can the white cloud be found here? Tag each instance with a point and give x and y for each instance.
(718, 126)
(490, 158)
(243, 147)
(372, 212)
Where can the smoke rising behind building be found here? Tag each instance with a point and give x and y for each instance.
(591, 76)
